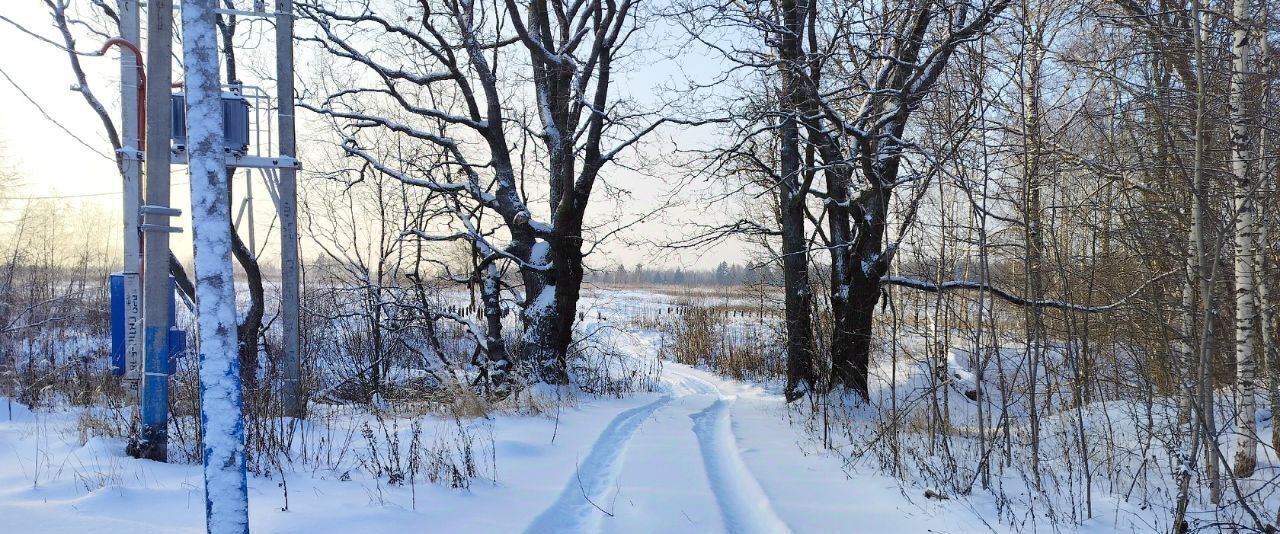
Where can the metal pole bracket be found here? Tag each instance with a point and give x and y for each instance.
(148, 209)
(131, 154)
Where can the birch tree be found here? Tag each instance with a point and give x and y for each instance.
(1246, 245)
(1267, 206)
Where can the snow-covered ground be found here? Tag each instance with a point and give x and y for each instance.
(705, 455)
(701, 454)
(698, 453)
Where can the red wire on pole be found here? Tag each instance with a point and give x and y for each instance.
(142, 102)
(142, 86)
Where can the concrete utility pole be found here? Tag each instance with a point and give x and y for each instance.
(221, 409)
(131, 154)
(294, 404)
(156, 290)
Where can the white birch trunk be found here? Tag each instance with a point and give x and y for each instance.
(226, 499)
(1246, 457)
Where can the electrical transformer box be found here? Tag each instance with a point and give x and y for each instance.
(177, 336)
(235, 127)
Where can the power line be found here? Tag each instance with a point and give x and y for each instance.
(58, 197)
(82, 195)
(51, 119)
(47, 40)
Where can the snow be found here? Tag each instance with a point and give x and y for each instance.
(689, 460)
(701, 453)
(743, 503)
(223, 448)
(541, 303)
(596, 476)
(540, 254)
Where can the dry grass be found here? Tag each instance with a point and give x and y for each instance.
(714, 336)
(110, 424)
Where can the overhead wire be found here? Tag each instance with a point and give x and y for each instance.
(59, 197)
(53, 120)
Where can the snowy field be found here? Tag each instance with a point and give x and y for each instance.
(706, 455)
(701, 453)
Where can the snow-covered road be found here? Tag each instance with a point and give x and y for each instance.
(670, 489)
(702, 454)
(715, 455)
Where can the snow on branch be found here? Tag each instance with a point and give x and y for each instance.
(933, 287)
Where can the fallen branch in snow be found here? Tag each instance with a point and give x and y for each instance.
(933, 287)
(578, 473)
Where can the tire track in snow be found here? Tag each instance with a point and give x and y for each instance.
(743, 504)
(596, 476)
(683, 383)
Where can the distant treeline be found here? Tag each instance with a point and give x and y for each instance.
(723, 275)
(727, 274)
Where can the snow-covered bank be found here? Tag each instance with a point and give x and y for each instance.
(707, 455)
(700, 454)
(53, 481)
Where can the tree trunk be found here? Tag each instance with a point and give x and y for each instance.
(1033, 230)
(248, 330)
(798, 299)
(538, 343)
(497, 364)
(1246, 457)
(866, 265)
(1204, 380)
(1266, 206)
(566, 251)
(852, 368)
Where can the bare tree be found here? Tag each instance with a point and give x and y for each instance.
(450, 83)
(249, 327)
(860, 125)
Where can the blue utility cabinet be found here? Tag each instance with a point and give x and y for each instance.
(177, 336)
